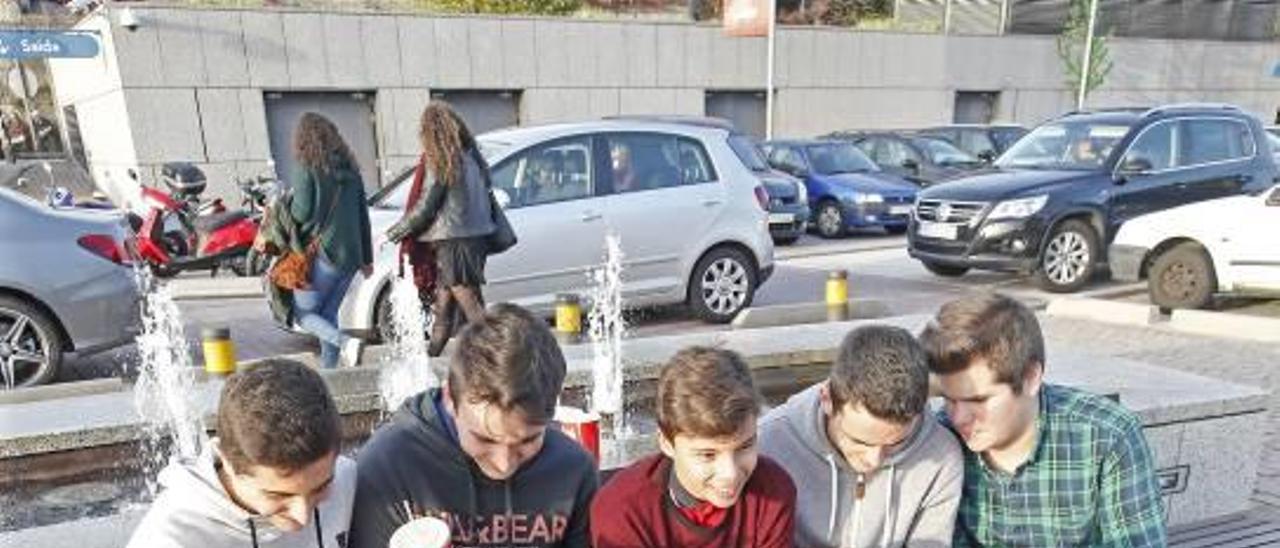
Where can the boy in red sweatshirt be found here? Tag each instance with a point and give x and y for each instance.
(709, 486)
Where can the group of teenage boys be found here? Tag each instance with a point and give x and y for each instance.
(860, 459)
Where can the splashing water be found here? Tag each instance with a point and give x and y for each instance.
(165, 393)
(408, 370)
(606, 329)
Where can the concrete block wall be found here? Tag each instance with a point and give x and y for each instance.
(193, 80)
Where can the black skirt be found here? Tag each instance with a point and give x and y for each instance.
(461, 261)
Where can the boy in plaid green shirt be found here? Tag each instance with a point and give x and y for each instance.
(1045, 465)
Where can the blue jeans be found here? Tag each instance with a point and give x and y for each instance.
(317, 307)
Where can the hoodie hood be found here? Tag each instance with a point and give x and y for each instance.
(843, 507)
(194, 509)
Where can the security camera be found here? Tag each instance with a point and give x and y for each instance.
(128, 19)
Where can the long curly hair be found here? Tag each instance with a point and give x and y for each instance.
(445, 138)
(317, 144)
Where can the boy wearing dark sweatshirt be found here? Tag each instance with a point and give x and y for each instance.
(478, 453)
(708, 487)
(875, 468)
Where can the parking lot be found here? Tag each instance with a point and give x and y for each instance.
(878, 267)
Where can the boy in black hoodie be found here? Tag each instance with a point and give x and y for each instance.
(477, 452)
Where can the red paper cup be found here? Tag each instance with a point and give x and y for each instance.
(427, 532)
(582, 426)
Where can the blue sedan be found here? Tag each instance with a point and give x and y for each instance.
(846, 189)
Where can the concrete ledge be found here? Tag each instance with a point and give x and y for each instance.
(61, 390)
(190, 289)
(1099, 310)
(806, 313)
(1220, 324)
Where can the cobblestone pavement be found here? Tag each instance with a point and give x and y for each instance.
(1238, 361)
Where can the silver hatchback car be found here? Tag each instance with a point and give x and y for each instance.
(65, 286)
(691, 218)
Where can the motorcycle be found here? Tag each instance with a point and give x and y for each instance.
(180, 232)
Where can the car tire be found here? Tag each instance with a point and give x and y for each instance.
(26, 331)
(896, 230)
(723, 284)
(830, 220)
(383, 330)
(785, 240)
(945, 270)
(1069, 259)
(1182, 277)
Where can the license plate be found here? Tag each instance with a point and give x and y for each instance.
(941, 231)
(780, 218)
(900, 210)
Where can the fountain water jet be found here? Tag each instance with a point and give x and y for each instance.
(165, 392)
(408, 370)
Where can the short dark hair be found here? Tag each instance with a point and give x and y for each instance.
(509, 359)
(883, 369)
(705, 392)
(994, 327)
(277, 413)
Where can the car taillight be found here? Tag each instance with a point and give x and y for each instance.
(762, 198)
(106, 247)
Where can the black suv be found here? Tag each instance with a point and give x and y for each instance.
(1060, 193)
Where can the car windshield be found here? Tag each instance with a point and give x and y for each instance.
(395, 194)
(836, 158)
(943, 153)
(748, 152)
(1005, 137)
(1078, 145)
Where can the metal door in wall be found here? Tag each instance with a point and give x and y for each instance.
(744, 108)
(483, 110)
(352, 112)
(975, 107)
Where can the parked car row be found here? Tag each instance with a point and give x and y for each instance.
(1058, 197)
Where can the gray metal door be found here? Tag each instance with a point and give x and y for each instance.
(351, 112)
(975, 107)
(484, 110)
(744, 108)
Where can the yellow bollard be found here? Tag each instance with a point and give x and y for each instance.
(568, 317)
(219, 351)
(837, 295)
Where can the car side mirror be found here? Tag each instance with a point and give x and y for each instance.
(911, 165)
(1273, 200)
(1133, 166)
(987, 156)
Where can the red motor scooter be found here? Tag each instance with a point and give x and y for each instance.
(180, 233)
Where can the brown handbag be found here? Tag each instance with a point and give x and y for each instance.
(292, 270)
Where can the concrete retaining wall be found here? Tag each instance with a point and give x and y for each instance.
(193, 80)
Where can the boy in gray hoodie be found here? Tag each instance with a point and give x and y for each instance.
(273, 477)
(872, 467)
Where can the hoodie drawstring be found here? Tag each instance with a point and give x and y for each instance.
(835, 493)
(319, 532)
(886, 536)
(253, 532)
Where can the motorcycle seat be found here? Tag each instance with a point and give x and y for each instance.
(209, 223)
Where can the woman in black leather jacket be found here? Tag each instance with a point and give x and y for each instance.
(452, 213)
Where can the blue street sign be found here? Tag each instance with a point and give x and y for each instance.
(26, 44)
(1276, 71)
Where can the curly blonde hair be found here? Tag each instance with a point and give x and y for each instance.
(316, 142)
(445, 138)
